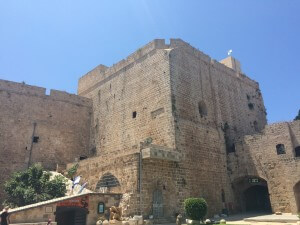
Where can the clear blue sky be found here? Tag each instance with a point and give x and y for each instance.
(52, 43)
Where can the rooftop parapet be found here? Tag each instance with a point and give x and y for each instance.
(275, 129)
(101, 72)
(29, 90)
(65, 96)
(23, 88)
(232, 63)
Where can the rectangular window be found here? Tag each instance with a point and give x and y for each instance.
(35, 139)
(134, 114)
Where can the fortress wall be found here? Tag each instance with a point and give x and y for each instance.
(60, 121)
(124, 168)
(66, 97)
(256, 155)
(141, 90)
(198, 139)
(21, 88)
(173, 81)
(196, 79)
(91, 79)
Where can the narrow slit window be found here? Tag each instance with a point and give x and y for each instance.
(202, 109)
(297, 151)
(134, 114)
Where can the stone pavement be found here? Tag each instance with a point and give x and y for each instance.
(261, 219)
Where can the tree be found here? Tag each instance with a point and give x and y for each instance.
(33, 185)
(298, 116)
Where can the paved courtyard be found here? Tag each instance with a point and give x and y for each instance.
(260, 219)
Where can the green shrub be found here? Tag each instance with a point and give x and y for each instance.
(72, 171)
(33, 185)
(195, 208)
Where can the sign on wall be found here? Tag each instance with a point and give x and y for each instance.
(253, 180)
(82, 202)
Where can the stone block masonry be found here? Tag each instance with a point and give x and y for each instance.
(35, 127)
(172, 96)
(164, 124)
(259, 156)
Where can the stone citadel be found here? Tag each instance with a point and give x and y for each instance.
(166, 123)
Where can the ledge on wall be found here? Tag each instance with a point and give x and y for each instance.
(160, 152)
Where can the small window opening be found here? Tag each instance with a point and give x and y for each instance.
(255, 124)
(82, 157)
(35, 139)
(134, 114)
(230, 148)
(251, 106)
(202, 109)
(297, 151)
(223, 195)
(280, 149)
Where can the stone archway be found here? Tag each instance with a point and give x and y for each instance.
(252, 194)
(297, 195)
(108, 183)
(257, 198)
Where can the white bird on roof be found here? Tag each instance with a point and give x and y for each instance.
(229, 52)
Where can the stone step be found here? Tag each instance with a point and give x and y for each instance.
(163, 220)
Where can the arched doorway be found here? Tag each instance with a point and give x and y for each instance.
(70, 216)
(297, 195)
(252, 194)
(257, 199)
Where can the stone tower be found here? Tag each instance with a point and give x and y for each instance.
(169, 115)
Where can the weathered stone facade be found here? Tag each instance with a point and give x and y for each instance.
(168, 123)
(35, 127)
(257, 156)
(42, 212)
(180, 100)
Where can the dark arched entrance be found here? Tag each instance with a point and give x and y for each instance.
(297, 195)
(70, 216)
(257, 199)
(252, 194)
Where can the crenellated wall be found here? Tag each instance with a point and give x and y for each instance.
(59, 121)
(201, 122)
